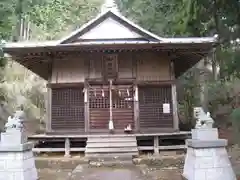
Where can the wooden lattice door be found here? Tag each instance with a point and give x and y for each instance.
(123, 110)
(151, 114)
(68, 109)
(99, 107)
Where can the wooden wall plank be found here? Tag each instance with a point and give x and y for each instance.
(95, 65)
(125, 66)
(152, 67)
(68, 70)
(145, 66)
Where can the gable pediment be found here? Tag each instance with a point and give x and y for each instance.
(110, 29)
(110, 26)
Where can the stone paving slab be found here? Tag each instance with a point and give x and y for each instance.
(106, 174)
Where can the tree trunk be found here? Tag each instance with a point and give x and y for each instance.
(203, 85)
(214, 66)
(19, 24)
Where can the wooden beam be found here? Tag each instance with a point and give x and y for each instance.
(60, 85)
(143, 83)
(38, 150)
(170, 147)
(173, 147)
(156, 129)
(100, 81)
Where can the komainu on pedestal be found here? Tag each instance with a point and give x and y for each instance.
(16, 156)
(206, 157)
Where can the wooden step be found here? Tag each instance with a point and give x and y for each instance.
(111, 150)
(112, 136)
(112, 155)
(117, 139)
(111, 144)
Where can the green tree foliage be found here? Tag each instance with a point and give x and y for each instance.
(235, 118)
(7, 18)
(55, 18)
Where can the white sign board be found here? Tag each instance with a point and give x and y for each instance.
(166, 108)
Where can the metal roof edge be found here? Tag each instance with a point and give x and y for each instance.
(195, 40)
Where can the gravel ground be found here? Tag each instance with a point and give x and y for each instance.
(76, 168)
(101, 173)
(148, 167)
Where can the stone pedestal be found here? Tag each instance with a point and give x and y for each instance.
(16, 157)
(207, 158)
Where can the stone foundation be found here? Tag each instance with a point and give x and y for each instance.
(16, 157)
(17, 162)
(206, 164)
(207, 158)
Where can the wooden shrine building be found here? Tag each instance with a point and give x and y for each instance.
(111, 69)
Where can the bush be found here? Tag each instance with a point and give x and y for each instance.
(235, 118)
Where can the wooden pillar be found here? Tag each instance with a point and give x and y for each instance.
(156, 145)
(136, 109)
(67, 147)
(86, 108)
(174, 99)
(49, 110)
(175, 108)
(110, 99)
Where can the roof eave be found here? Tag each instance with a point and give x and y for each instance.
(176, 41)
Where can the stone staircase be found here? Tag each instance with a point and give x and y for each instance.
(112, 149)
